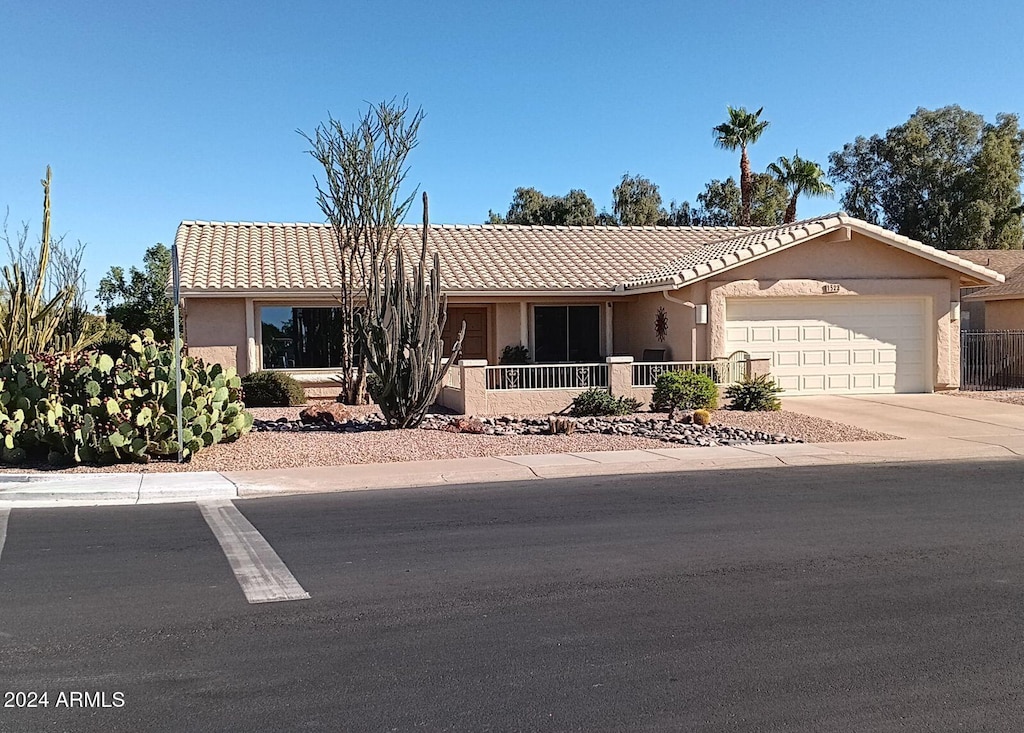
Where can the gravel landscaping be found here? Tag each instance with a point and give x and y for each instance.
(1012, 396)
(361, 441)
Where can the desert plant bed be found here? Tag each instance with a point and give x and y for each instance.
(360, 441)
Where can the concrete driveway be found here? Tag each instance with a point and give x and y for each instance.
(934, 417)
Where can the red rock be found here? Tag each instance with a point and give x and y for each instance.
(324, 413)
(467, 425)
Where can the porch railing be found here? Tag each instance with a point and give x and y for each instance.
(646, 373)
(547, 376)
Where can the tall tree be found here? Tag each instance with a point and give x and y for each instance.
(944, 177)
(637, 202)
(139, 300)
(799, 176)
(742, 129)
(364, 169)
(720, 203)
(530, 206)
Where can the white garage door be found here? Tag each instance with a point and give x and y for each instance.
(840, 345)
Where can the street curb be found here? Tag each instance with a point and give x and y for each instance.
(94, 489)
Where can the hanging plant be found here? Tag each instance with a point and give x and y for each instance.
(661, 324)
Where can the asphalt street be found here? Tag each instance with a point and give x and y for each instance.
(839, 598)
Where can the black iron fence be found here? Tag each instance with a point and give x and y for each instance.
(991, 360)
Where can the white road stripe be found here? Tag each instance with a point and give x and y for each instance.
(5, 512)
(261, 573)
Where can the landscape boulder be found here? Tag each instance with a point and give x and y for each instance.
(324, 413)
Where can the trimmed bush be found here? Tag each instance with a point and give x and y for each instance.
(272, 389)
(92, 408)
(684, 390)
(597, 402)
(754, 394)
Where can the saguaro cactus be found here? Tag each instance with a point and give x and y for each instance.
(401, 329)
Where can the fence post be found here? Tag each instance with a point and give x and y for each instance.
(620, 375)
(474, 386)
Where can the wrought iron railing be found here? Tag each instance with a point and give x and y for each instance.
(991, 360)
(646, 373)
(547, 376)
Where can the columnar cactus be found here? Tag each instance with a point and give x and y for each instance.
(401, 330)
(28, 321)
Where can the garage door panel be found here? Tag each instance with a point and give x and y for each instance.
(787, 358)
(812, 333)
(863, 381)
(839, 381)
(813, 383)
(789, 382)
(842, 345)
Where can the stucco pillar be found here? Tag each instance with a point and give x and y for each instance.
(251, 361)
(474, 386)
(620, 375)
(758, 368)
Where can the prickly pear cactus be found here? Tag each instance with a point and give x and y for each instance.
(92, 408)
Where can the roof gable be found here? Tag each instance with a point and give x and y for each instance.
(729, 253)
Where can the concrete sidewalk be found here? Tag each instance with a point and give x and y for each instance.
(41, 490)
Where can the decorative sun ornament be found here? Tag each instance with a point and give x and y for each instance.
(661, 324)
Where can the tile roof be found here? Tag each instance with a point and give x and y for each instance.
(219, 256)
(223, 257)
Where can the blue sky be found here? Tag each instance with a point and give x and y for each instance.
(154, 112)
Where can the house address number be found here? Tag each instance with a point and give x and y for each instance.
(830, 288)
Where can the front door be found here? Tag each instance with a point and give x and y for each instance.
(474, 344)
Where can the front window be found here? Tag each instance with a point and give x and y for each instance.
(567, 333)
(301, 338)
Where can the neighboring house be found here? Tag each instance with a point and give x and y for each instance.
(995, 307)
(838, 305)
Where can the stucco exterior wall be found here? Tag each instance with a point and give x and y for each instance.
(1004, 315)
(684, 340)
(506, 328)
(215, 331)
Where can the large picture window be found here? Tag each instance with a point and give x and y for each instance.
(567, 333)
(301, 338)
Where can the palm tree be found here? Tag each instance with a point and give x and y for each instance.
(799, 176)
(742, 129)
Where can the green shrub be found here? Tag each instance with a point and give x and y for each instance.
(599, 402)
(272, 389)
(514, 355)
(114, 340)
(685, 390)
(91, 408)
(751, 394)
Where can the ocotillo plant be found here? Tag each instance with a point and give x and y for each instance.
(401, 330)
(29, 322)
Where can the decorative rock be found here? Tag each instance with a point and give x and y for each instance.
(681, 416)
(324, 413)
(466, 425)
(671, 431)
